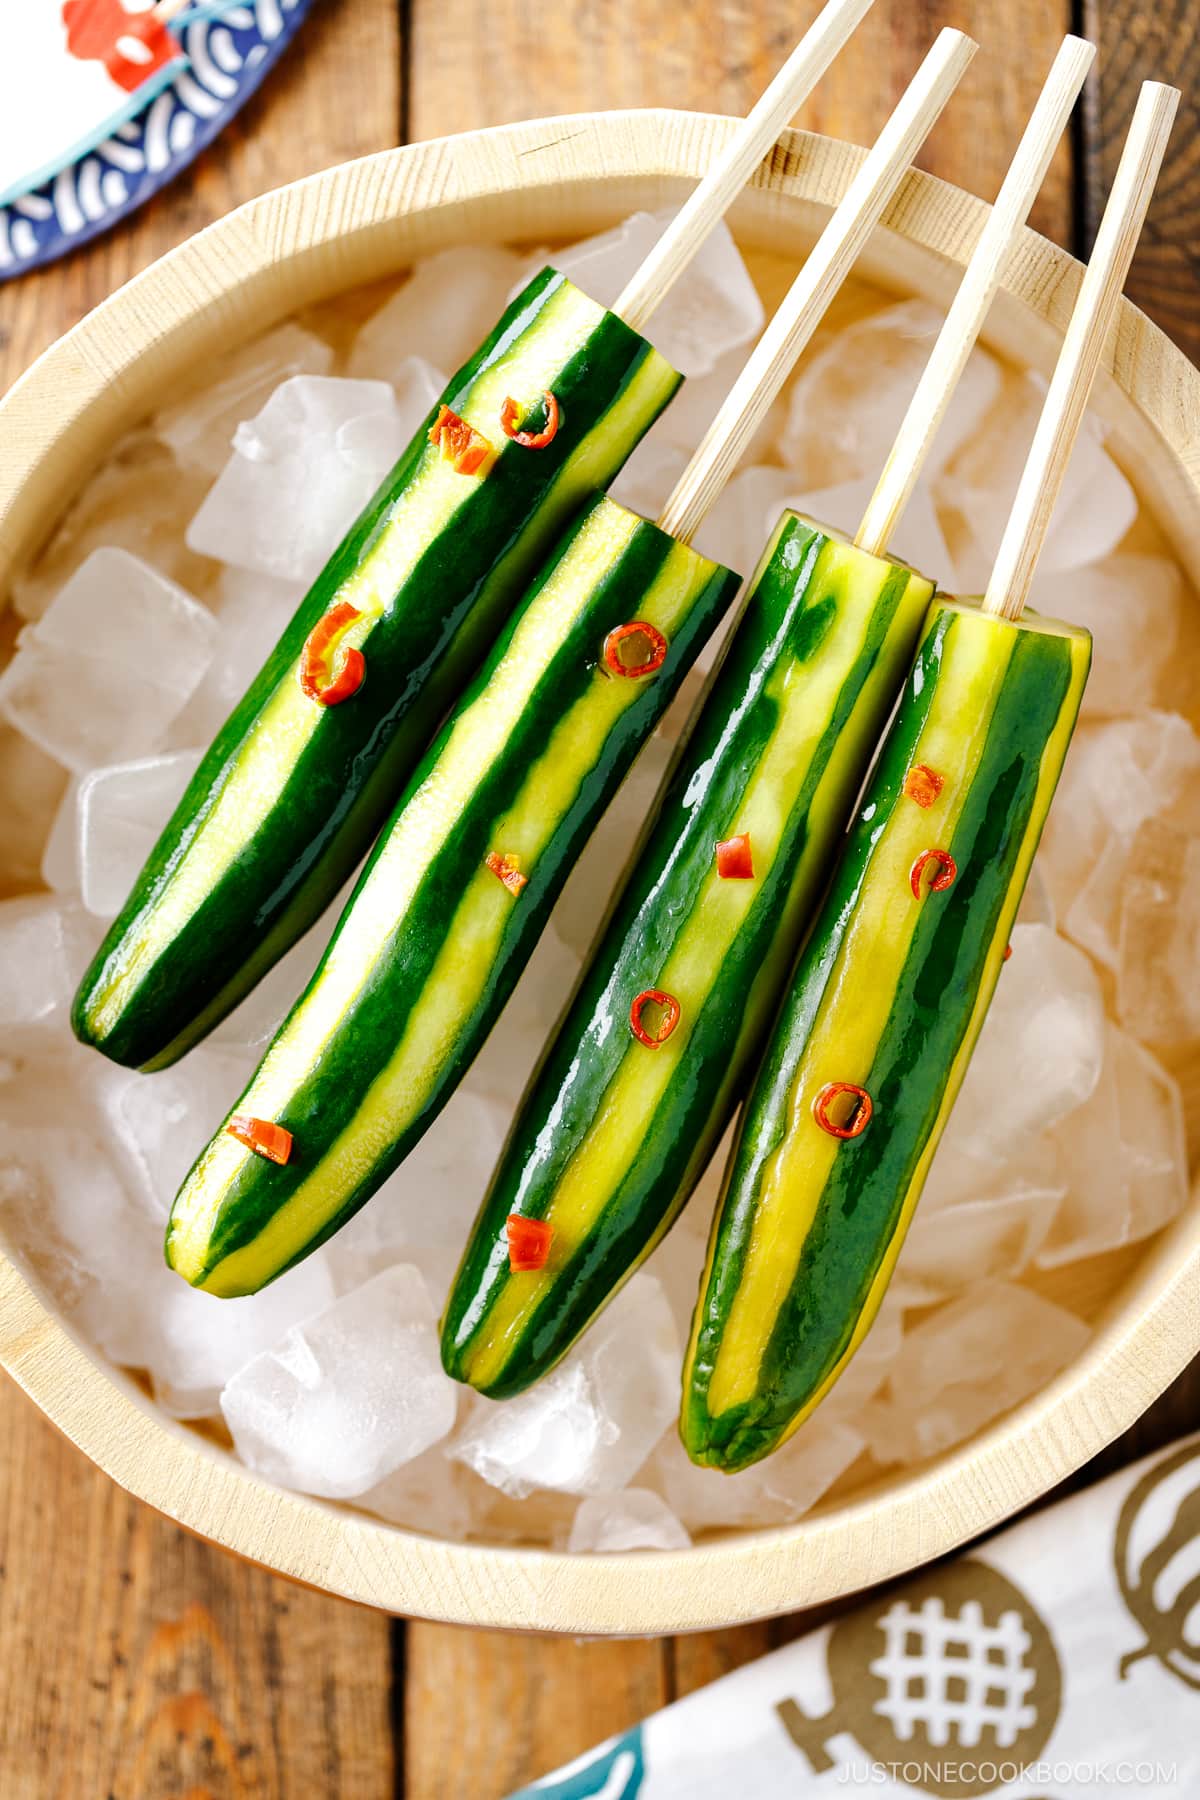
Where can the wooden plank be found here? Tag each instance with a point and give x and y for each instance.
(485, 1713)
(141, 1664)
(1139, 42)
(335, 94)
(535, 60)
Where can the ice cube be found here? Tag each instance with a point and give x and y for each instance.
(450, 303)
(33, 785)
(636, 1519)
(590, 1425)
(122, 811)
(737, 529)
(107, 667)
(775, 1491)
(60, 858)
(1116, 776)
(1094, 511)
(849, 399)
(67, 1218)
(713, 309)
(648, 477)
(291, 490)
(1038, 1056)
(1133, 607)
(978, 1219)
(1158, 972)
(140, 500)
(697, 403)
(165, 1119)
(264, 1008)
(966, 1364)
(347, 1397)
(917, 539)
(1123, 1156)
(253, 611)
(199, 427)
(44, 945)
(587, 893)
(430, 1494)
(518, 1037)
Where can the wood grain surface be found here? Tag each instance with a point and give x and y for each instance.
(135, 1662)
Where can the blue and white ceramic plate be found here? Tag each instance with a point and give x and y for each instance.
(227, 57)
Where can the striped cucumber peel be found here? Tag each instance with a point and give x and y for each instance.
(611, 1137)
(890, 994)
(289, 796)
(432, 942)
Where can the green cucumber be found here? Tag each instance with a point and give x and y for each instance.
(290, 794)
(612, 1137)
(889, 995)
(432, 941)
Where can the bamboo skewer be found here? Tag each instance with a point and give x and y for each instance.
(753, 139)
(1087, 335)
(827, 266)
(976, 291)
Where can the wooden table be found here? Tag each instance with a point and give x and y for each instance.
(137, 1663)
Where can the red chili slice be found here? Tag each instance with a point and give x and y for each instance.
(923, 784)
(469, 451)
(507, 869)
(656, 651)
(947, 870)
(262, 1136)
(510, 414)
(330, 672)
(858, 1119)
(734, 861)
(670, 1019)
(529, 1243)
(1007, 953)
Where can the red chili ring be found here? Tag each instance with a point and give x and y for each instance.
(510, 414)
(331, 678)
(862, 1114)
(635, 628)
(656, 997)
(945, 862)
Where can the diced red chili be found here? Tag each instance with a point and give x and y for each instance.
(923, 784)
(469, 451)
(329, 671)
(646, 642)
(510, 414)
(529, 1243)
(854, 1119)
(507, 869)
(670, 1017)
(262, 1136)
(1007, 953)
(947, 870)
(734, 861)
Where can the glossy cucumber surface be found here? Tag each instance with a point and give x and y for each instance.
(291, 792)
(612, 1135)
(889, 996)
(433, 940)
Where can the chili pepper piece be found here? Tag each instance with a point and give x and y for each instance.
(671, 1010)
(947, 870)
(858, 1120)
(510, 414)
(460, 444)
(1007, 953)
(325, 678)
(923, 784)
(529, 1243)
(263, 1136)
(507, 869)
(653, 660)
(734, 859)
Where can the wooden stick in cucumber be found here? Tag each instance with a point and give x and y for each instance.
(877, 1026)
(288, 797)
(976, 291)
(1085, 341)
(829, 262)
(747, 146)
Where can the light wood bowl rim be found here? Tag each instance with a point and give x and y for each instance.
(78, 389)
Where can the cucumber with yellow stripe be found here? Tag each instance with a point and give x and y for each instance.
(614, 1133)
(878, 1026)
(304, 772)
(452, 900)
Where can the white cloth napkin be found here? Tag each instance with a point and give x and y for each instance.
(1058, 1661)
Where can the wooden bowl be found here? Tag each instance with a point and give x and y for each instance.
(553, 180)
